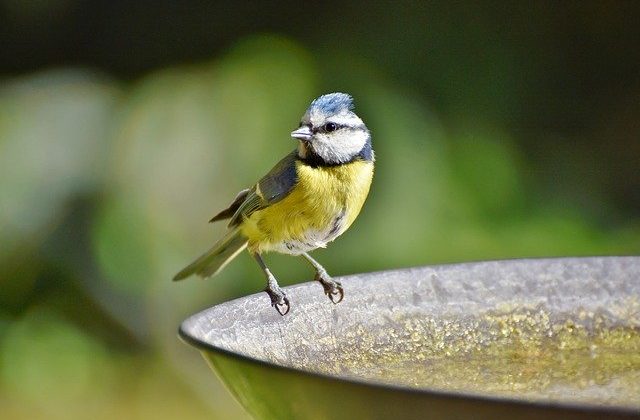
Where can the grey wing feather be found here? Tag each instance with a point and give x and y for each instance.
(233, 207)
(272, 188)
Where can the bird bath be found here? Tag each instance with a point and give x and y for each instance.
(558, 338)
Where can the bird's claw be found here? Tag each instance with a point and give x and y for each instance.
(279, 300)
(333, 289)
(284, 305)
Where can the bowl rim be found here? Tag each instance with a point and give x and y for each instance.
(203, 345)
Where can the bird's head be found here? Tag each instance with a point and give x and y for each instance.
(330, 133)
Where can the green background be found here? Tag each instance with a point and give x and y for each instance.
(501, 131)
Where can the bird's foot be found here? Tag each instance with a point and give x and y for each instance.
(332, 288)
(279, 299)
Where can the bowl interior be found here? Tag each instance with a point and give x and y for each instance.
(559, 330)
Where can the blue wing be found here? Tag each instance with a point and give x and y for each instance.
(271, 188)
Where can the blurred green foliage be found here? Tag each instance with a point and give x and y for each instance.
(106, 185)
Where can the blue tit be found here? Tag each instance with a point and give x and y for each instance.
(307, 200)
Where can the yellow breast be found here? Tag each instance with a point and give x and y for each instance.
(322, 205)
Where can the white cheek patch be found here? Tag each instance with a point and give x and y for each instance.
(340, 146)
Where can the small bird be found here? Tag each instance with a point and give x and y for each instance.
(307, 200)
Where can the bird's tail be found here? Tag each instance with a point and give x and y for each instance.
(211, 262)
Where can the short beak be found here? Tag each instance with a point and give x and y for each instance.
(302, 133)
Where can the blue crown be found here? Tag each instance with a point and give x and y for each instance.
(332, 103)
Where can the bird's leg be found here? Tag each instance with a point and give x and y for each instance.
(279, 299)
(332, 288)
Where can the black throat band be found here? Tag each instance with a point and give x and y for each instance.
(313, 160)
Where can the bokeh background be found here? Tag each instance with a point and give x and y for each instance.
(502, 130)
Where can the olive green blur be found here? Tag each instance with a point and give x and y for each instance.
(500, 131)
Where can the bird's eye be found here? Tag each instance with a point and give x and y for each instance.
(329, 127)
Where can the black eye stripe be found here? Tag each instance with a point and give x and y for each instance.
(330, 126)
(324, 129)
